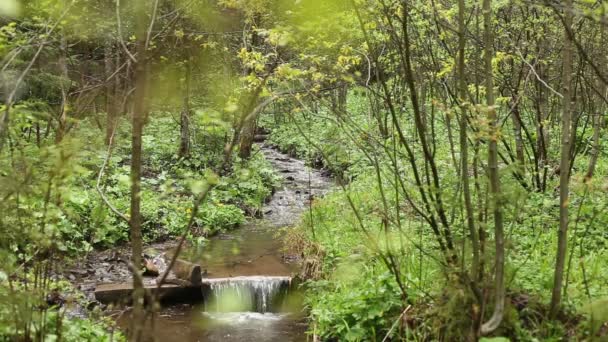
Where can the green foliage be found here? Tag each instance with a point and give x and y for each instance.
(360, 308)
(25, 307)
(319, 140)
(338, 240)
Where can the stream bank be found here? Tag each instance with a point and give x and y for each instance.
(248, 294)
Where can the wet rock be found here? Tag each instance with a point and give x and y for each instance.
(79, 272)
(92, 305)
(225, 237)
(290, 178)
(150, 269)
(54, 298)
(260, 137)
(286, 171)
(151, 253)
(86, 287)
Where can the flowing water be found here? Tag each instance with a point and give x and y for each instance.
(249, 295)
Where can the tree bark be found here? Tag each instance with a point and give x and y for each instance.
(63, 67)
(499, 284)
(247, 135)
(464, 147)
(247, 131)
(110, 89)
(564, 179)
(464, 167)
(138, 117)
(598, 121)
(184, 141)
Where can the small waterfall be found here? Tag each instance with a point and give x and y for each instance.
(241, 294)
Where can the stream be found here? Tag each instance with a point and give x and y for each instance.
(250, 296)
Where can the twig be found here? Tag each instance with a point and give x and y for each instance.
(395, 324)
(537, 76)
(182, 239)
(122, 42)
(149, 34)
(98, 186)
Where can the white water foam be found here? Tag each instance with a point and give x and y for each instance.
(256, 293)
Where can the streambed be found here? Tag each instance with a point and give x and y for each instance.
(253, 298)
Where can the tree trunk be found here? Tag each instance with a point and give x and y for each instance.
(519, 141)
(464, 163)
(138, 117)
(184, 141)
(542, 124)
(247, 131)
(499, 283)
(598, 121)
(63, 66)
(247, 135)
(564, 179)
(110, 96)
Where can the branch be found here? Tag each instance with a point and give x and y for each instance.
(98, 186)
(395, 324)
(122, 42)
(182, 239)
(536, 74)
(149, 34)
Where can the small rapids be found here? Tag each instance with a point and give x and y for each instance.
(255, 294)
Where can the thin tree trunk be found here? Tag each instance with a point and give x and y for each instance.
(464, 162)
(519, 141)
(184, 145)
(138, 117)
(247, 132)
(63, 66)
(598, 117)
(246, 137)
(499, 283)
(564, 179)
(110, 96)
(464, 147)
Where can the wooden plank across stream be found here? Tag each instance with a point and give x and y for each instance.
(185, 293)
(121, 292)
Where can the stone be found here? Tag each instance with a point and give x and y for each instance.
(183, 270)
(260, 137)
(150, 268)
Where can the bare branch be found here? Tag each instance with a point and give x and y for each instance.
(149, 34)
(122, 42)
(98, 185)
(536, 74)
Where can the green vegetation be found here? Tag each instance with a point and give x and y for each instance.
(466, 139)
(353, 296)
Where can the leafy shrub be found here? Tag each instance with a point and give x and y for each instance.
(361, 307)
